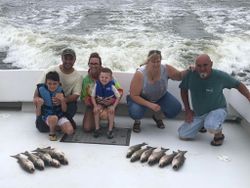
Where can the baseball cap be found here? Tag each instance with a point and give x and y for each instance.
(69, 51)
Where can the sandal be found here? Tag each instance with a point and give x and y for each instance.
(137, 127)
(203, 130)
(158, 122)
(110, 134)
(97, 133)
(52, 137)
(218, 141)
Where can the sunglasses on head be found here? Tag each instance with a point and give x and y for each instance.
(154, 52)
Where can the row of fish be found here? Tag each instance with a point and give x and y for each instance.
(41, 157)
(153, 155)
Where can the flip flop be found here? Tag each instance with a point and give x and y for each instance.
(218, 141)
(52, 137)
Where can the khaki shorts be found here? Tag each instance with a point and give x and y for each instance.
(60, 122)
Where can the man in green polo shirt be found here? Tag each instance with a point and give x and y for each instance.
(209, 104)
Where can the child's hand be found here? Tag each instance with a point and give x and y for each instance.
(108, 101)
(59, 96)
(58, 99)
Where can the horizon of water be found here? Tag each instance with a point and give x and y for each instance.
(33, 34)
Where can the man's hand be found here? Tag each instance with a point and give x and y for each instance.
(38, 101)
(189, 114)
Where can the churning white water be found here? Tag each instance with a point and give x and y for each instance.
(33, 33)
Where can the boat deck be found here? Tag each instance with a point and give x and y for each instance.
(93, 165)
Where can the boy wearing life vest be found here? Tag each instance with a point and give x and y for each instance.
(52, 114)
(104, 89)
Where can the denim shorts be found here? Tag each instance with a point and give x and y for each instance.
(61, 121)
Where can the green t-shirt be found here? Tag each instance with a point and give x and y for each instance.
(87, 85)
(207, 94)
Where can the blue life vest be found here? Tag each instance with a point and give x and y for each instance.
(103, 92)
(48, 108)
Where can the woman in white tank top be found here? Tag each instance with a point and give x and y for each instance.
(148, 90)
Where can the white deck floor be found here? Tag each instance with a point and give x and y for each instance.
(92, 165)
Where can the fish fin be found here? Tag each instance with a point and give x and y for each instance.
(150, 147)
(15, 156)
(182, 151)
(37, 150)
(25, 153)
(164, 149)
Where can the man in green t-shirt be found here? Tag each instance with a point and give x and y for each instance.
(209, 104)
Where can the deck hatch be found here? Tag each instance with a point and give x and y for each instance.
(121, 137)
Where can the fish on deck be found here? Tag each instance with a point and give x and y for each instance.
(155, 156)
(25, 163)
(178, 160)
(134, 148)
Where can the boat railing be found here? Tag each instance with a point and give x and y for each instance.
(17, 88)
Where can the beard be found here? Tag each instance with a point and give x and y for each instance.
(203, 75)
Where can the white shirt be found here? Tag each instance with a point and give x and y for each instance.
(71, 83)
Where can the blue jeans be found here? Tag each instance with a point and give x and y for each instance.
(212, 121)
(170, 106)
